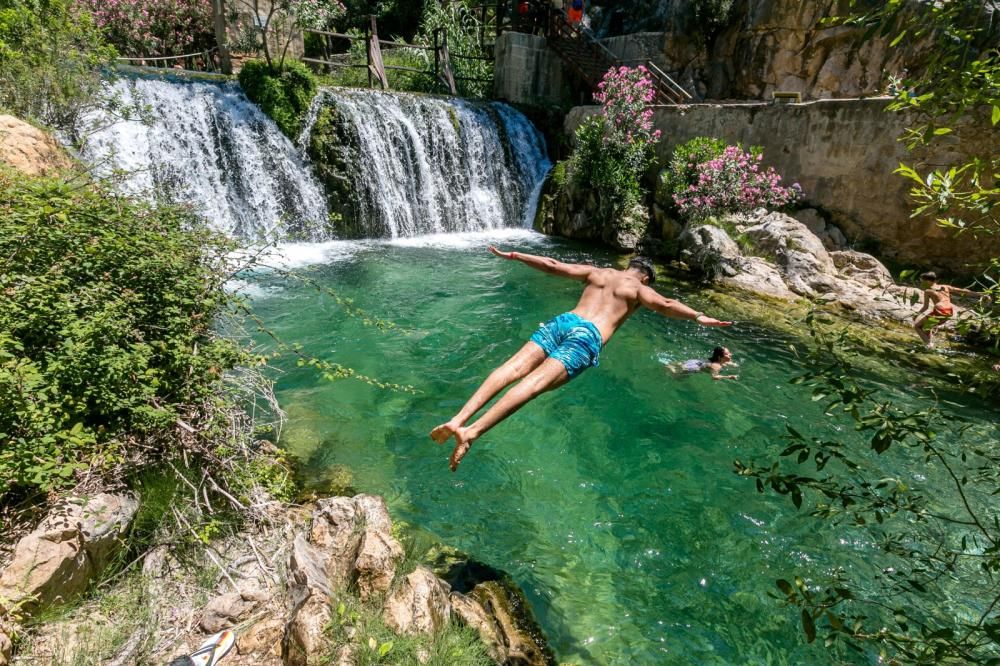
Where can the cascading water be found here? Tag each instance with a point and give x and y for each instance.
(208, 145)
(424, 164)
(415, 164)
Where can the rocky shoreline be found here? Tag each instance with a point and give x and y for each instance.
(285, 588)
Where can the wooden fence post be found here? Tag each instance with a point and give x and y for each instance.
(449, 77)
(375, 65)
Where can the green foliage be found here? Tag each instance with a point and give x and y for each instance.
(463, 27)
(593, 166)
(50, 55)
(106, 309)
(957, 78)
(712, 15)
(935, 534)
(682, 172)
(284, 95)
(362, 625)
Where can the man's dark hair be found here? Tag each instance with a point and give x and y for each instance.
(644, 265)
(717, 354)
(930, 276)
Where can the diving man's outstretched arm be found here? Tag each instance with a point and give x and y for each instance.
(547, 264)
(668, 307)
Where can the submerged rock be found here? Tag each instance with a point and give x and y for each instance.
(489, 601)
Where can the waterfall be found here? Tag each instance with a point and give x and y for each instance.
(424, 164)
(207, 145)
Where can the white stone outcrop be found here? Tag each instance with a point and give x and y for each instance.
(68, 548)
(783, 258)
(419, 605)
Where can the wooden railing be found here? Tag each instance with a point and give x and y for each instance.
(583, 53)
(597, 58)
(202, 61)
(442, 70)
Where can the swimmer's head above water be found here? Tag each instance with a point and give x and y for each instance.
(720, 354)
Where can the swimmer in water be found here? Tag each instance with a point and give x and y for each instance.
(721, 357)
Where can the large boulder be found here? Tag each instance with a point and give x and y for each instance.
(709, 250)
(68, 548)
(30, 150)
(863, 268)
(336, 531)
(807, 267)
(419, 605)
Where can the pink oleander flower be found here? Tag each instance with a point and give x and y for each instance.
(734, 182)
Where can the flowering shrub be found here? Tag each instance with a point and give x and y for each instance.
(625, 94)
(153, 27)
(734, 182)
(615, 147)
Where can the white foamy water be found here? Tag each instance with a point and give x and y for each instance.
(427, 165)
(207, 145)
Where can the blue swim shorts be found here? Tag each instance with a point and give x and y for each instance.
(571, 340)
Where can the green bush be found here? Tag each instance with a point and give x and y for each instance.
(682, 172)
(50, 56)
(284, 95)
(106, 315)
(607, 169)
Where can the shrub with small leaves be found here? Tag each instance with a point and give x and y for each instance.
(615, 147)
(106, 326)
(284, 95)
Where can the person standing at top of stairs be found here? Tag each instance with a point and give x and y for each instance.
(575, 12)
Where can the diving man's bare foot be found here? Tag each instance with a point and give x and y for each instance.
(441, 433)
(462, 445)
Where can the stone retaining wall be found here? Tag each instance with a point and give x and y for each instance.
(843, 153)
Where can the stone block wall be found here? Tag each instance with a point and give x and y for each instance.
(529, 73)
(843, 153)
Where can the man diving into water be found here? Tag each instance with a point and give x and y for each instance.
(566, 345)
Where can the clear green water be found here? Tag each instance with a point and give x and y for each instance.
(612, 500)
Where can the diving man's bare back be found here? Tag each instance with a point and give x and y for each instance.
(566, 345)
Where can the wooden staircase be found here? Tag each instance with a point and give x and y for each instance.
(590, 59)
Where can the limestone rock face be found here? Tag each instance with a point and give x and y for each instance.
(5, 647)
(709, 250)
(754, 49)
(72, 544)
(420, 605)
(566, 210)
(472, 614)
(30, 150)
(805, 263)
(336, 531)
(378, 558)
(784, 259)
(309, 591)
